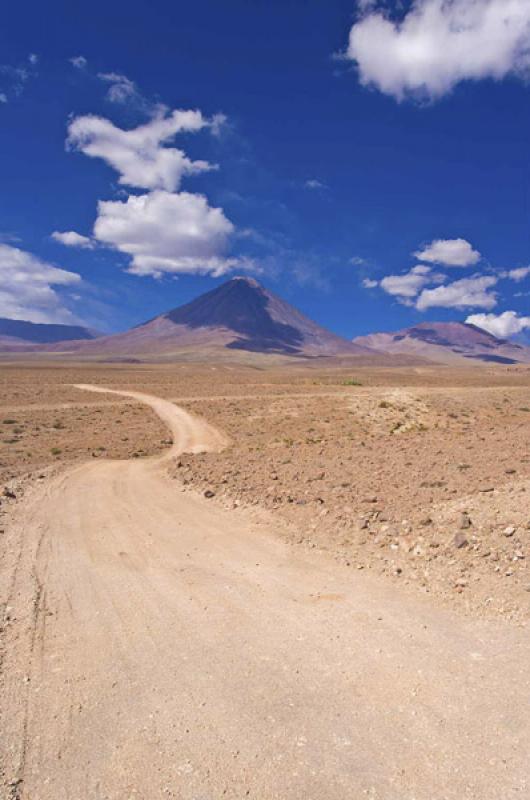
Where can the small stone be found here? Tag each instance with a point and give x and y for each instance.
(509, 531)
(465, 521)
(208, 493)
(426, 521)
(460, 541)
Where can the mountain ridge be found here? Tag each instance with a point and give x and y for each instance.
(447, 342)
(18, 331)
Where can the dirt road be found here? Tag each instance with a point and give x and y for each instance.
(158, 646)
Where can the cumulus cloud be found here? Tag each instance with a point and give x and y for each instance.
(518, 274)
(439, 43)
(450, 253)
(166, 232)
(409, 284)
(502, 325)
(163, 230)
(466, 293)
(26, 287)
(139, 155)
(73, 239)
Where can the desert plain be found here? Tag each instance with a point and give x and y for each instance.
(265, 580)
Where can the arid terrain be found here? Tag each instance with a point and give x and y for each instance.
(319, 588)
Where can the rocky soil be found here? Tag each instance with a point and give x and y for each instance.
(421, 475)
(429, 487)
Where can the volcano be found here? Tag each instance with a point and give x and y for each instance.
(448, 343)
(239, 315)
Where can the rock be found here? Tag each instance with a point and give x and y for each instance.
(208, 493)
(509, 531)
(460, 541)
(426, 521)
(486, 489)
(8, 493)
(465, 521)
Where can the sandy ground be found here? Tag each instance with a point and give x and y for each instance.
(159, 643)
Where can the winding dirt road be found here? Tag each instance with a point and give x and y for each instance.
(159, 646)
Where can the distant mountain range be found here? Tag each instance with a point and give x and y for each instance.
(18, 332)
(447, 343)
(242, 316)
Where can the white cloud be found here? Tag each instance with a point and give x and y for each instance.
(358, 261)
(121, 89)
(139, 154)
(165, 232)
(502, 325)
(368, 283)
(15, 78)
(73, 239)
(465, 293)
(26, 287)
(518, 274)
(313, 183)
(162, 231)
(439, 43)
(79, 62)
(411, 283)
(450, 253)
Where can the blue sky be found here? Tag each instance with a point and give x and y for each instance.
(368, 161)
